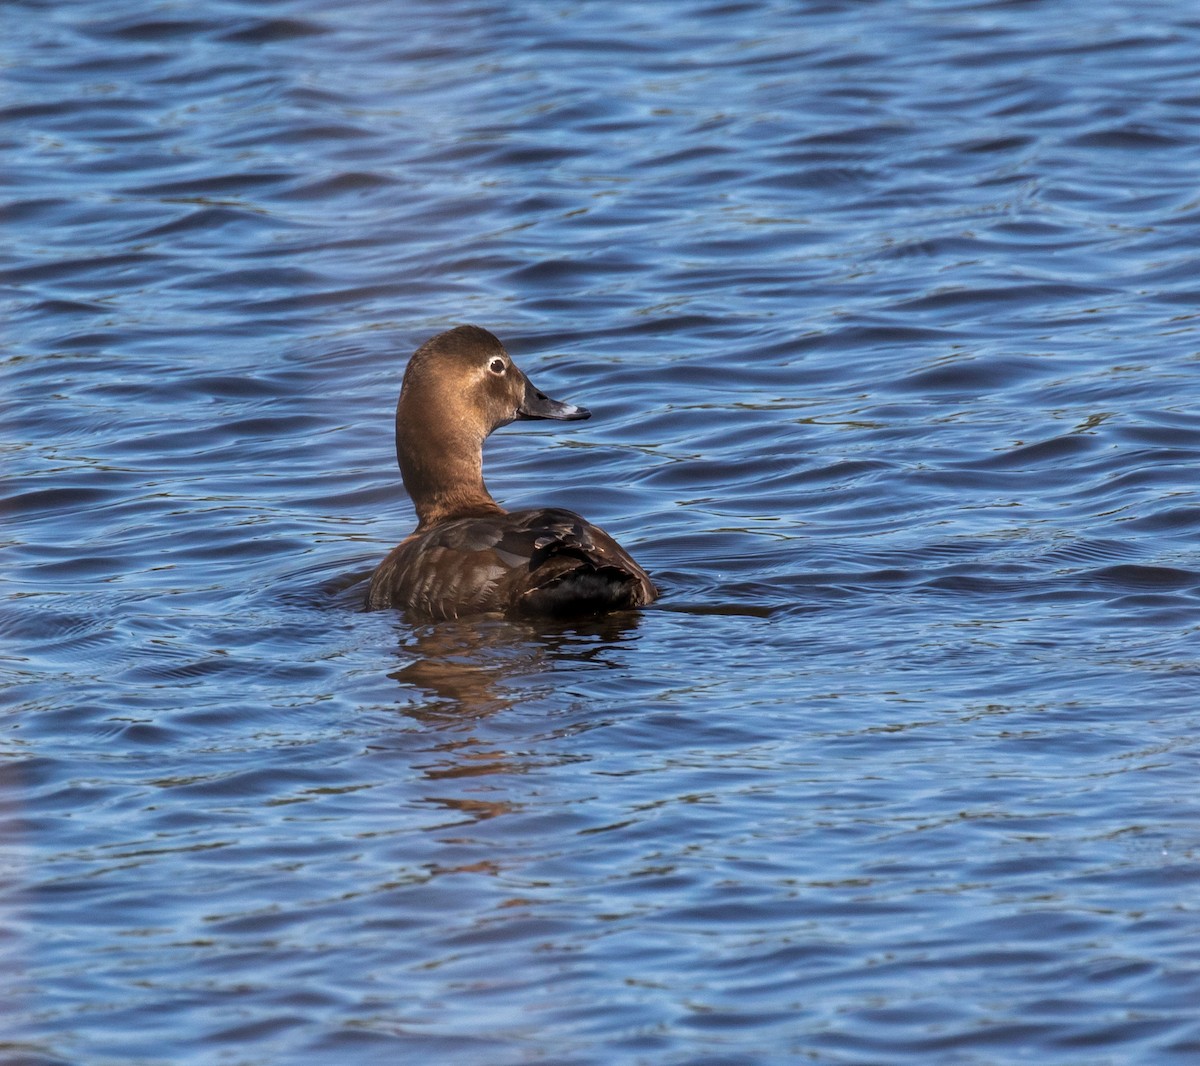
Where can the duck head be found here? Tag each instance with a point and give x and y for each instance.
(459, 387)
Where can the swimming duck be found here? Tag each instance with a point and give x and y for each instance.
(468, 555)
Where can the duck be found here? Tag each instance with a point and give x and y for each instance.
(468, 555)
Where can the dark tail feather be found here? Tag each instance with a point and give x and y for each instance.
(586, 588)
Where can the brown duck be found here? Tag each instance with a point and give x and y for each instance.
(468, 555)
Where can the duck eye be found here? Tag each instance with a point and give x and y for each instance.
(496, 366)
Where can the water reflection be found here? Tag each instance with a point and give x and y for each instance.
(466, 672)
(461, 667)
(471, 669)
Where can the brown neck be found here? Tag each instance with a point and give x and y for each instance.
(443, 474)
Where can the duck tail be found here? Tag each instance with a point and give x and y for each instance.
(585, 588)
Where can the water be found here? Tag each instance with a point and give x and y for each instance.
(887, 314)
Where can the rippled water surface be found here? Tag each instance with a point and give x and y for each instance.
(887, 313)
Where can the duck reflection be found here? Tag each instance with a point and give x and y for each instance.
(465, 673)
(478, 668)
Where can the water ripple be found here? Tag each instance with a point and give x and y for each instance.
(885, 313)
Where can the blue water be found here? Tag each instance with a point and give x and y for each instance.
(887, 315)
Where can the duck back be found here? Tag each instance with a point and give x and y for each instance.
(542, 561)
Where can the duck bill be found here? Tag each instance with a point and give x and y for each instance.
(537, 404)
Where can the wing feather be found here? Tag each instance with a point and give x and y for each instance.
(540, 561)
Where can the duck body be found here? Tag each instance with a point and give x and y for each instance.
(468, 555)
(542, 561)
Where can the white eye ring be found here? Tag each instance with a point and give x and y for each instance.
(497, 366)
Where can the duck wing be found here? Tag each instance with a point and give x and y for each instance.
(543, 561)
(573, 568)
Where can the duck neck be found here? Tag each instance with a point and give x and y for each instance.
(443, 474)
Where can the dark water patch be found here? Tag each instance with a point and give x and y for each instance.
(199, 186)
(143, 29)
(1168, 520)
(212, 219)
(45, 500)
(266, 31)
(308, 302)
(1183, 434)
(77, 567)
(1023, 293)
(340, 185)
(1125, 138)
(1148, 577)
(965, 372)
(817, 177)
(65, 307)
(79, 269)
(306, 134)
(1040, 453)
(28, 210)
(259, 278)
